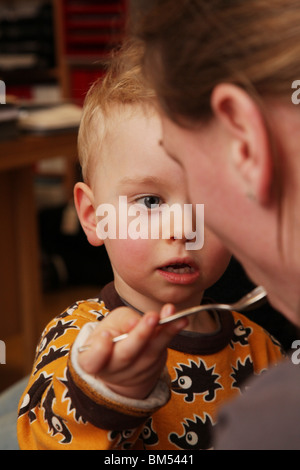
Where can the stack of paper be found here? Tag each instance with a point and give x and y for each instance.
(52, 119)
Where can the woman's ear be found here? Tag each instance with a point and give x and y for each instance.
(250, 148)
(84, 203)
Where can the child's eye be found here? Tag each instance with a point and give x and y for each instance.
(151, 202)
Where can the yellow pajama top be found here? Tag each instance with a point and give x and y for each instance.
(64, 408)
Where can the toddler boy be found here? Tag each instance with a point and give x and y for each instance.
(88, 392)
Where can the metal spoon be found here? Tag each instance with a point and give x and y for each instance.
(251, 299)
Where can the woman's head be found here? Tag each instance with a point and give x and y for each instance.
(223, 72)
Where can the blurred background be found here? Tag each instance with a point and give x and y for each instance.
(50, 54)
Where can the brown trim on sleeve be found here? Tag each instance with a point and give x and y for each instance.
(99, 411)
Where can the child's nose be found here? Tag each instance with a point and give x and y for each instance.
(183, 228)
(177, 230)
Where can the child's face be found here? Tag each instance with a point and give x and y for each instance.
(151, 272)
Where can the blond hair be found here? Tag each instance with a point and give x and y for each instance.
(122, 89)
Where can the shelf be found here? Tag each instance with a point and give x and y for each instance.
(89, 30)
(92, 38)
(91, 23)
(90, 8)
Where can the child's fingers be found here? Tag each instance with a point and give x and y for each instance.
(145, 336)
(167, 310)
(130, 348)
(166, 333)
(98, 352)
(100, 346)
(148, 339)
(121, 320)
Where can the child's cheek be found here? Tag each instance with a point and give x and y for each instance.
(129, 254)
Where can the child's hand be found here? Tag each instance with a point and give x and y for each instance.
(130, 367)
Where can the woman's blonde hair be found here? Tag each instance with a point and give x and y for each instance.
(193, 45)
(123, 85)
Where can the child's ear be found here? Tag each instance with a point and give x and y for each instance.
(250, 151)
(84, 203)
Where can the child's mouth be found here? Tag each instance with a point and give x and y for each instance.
(179, 273)
(182, 268)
